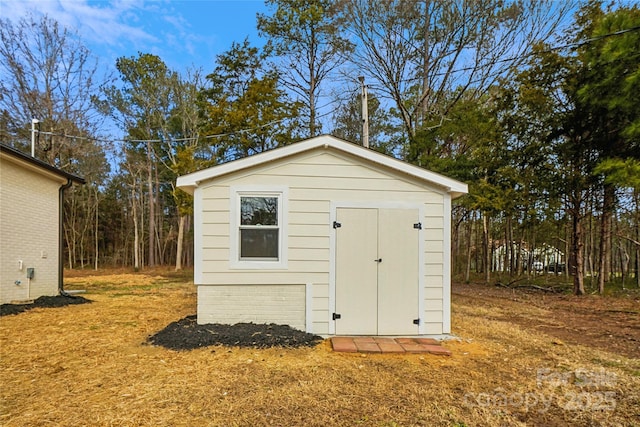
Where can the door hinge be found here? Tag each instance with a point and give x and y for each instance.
(417, 226)
(416, 321)
(336, 224)
(336, 316)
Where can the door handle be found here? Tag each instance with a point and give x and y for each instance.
(378, 260)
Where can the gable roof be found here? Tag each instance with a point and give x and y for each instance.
(324, 142)
(38, 165)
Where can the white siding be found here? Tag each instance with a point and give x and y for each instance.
(320, 313)
(28, 232)
(434, 266)
(314, 181)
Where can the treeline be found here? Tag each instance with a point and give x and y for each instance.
(534, 104)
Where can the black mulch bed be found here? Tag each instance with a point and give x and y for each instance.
(186, 334)
(56, 301)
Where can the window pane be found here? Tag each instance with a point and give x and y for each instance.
(259, 243)
(259, 211)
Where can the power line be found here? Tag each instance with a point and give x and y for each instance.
(458, 70)
(106, 140)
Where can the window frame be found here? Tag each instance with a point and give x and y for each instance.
(237, 193)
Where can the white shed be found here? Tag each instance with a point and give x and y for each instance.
(325, 236)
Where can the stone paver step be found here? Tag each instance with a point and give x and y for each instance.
(388, 345)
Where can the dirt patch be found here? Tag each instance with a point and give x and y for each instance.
(44, 301)
(186, 334)
(609, 323)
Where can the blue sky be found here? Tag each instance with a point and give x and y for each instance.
(183, 33)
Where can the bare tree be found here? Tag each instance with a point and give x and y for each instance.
(425, 55)
(307, 38)
(185, 122)
(47, 74)
(141, 106)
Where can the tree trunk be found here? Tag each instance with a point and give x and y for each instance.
(136, 239)
(624, 263)
(577, 253)
(81, 252)
(188, 252)
(141, 224)
(605, 236)
(519, 262)
(508, 246)
(567, 248)
(485, 248)
(96, 234)
(68, 240)
(591, 246)
(157, 221)
(152, 210)
(426, 64)
(181, 224)
(531, 258)
(312, 90)
(467, 273)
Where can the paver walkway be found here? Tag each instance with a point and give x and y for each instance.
(388, 345)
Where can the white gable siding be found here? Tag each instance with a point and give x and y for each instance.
(28, 232)
(314, 180)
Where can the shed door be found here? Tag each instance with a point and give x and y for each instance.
(356, 271)
(377, 276)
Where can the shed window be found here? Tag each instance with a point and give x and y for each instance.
(259, 227)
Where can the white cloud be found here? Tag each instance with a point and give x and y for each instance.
(183, 33)
(179, 35)
(108, 24)
(111, 23)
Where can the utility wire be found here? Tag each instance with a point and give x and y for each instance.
(221, 135)
(457, 70)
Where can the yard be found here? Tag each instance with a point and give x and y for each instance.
(521, 358)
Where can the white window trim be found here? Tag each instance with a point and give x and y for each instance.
(236, 192)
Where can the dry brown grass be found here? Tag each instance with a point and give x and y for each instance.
(90, 365)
